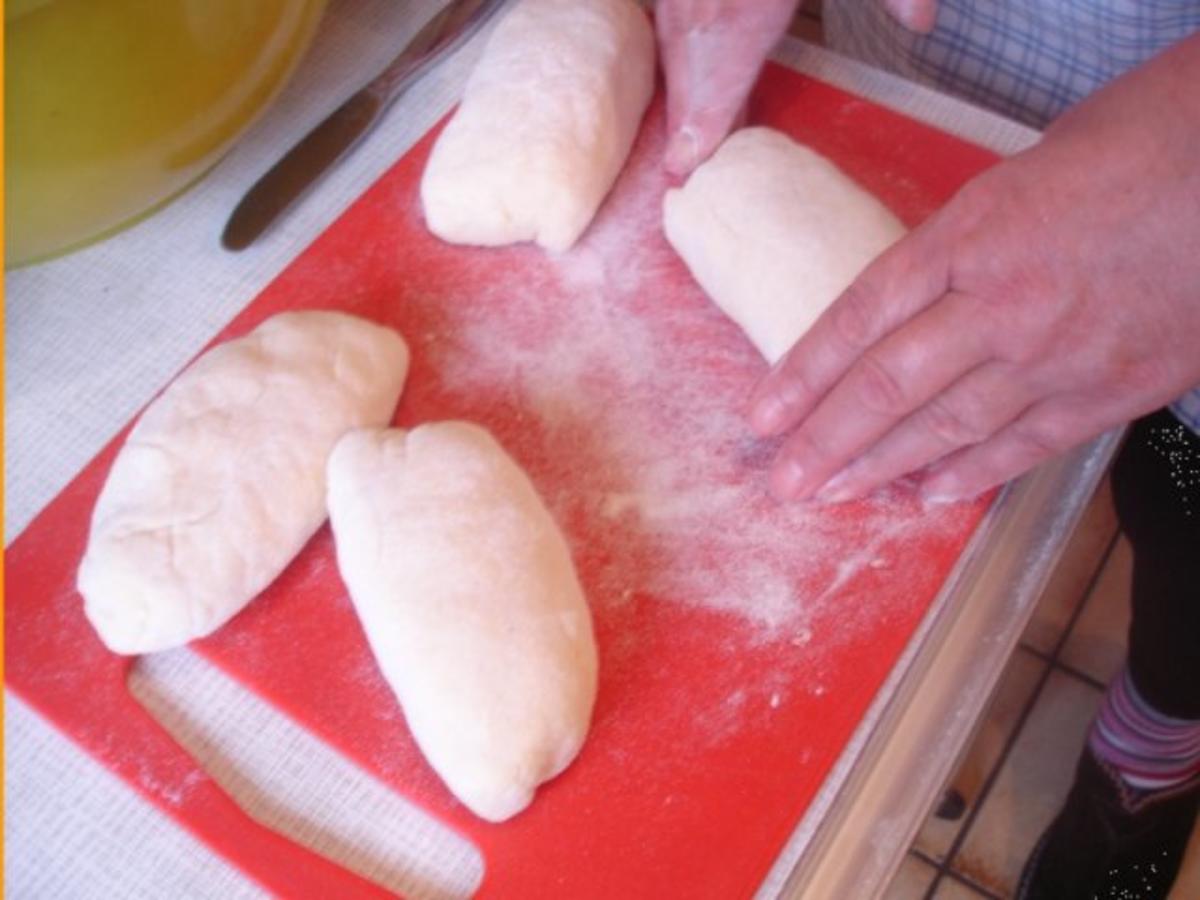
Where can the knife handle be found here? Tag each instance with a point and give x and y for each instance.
(303, 166)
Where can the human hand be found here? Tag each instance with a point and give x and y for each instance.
(915, 15)
(1057, 295)
(711, 51)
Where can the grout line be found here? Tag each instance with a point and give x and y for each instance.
(1065, 668)
(925, 857)
(1011, 740)
(980, 889)
(1083, 676)
(937, 870)
(1087, 595)
(941, 872)
(1035, 651)
(934, 885)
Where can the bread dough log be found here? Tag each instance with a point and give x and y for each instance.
(469, 599)
(222, 480)
(774, 232)
(547, 119)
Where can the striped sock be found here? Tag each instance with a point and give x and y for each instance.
(1150, 751)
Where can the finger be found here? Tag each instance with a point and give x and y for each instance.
(969, 412)
(1041, 433)
(916, 15)
(903, 280)
(683, 151)
(697, 121)
(674, 21)
(711, 54)
(697, 137)
(892, 379)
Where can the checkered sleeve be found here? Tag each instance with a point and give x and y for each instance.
(1027, 59)
(1187, 409)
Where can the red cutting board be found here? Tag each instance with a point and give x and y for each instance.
(740, 641)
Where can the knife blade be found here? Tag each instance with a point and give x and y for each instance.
(343, 129)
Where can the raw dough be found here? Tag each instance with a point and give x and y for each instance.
(547, 119)
(774, 232)
(222, 480)
(469, 599)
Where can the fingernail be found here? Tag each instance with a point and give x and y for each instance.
(838, 489)
(767, 415)
(683, 151)
(941, 489)
(787, 479)
(916, 15)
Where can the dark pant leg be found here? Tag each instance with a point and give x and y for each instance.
(1156, 488)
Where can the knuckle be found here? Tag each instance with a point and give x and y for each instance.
(1037, 440)
(952, 425)
(854, 316)
(809, 449)
(879, 390)
(976, 194)
(795, 386)
(979, 197)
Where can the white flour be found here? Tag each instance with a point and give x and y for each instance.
(624, 393)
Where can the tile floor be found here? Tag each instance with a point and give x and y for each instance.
(1019, 766)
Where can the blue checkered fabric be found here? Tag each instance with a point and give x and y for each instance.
(1026, 59)
(1187, 409)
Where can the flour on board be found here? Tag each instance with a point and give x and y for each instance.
(632, 388)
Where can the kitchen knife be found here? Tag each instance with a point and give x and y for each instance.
(291, 177)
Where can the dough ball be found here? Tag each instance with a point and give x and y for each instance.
(774, 232)
(469, 599)
(222, 480)
(546, 121)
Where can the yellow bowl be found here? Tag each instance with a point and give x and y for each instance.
(112, 107)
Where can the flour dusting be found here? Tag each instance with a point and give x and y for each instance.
(628, 387)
